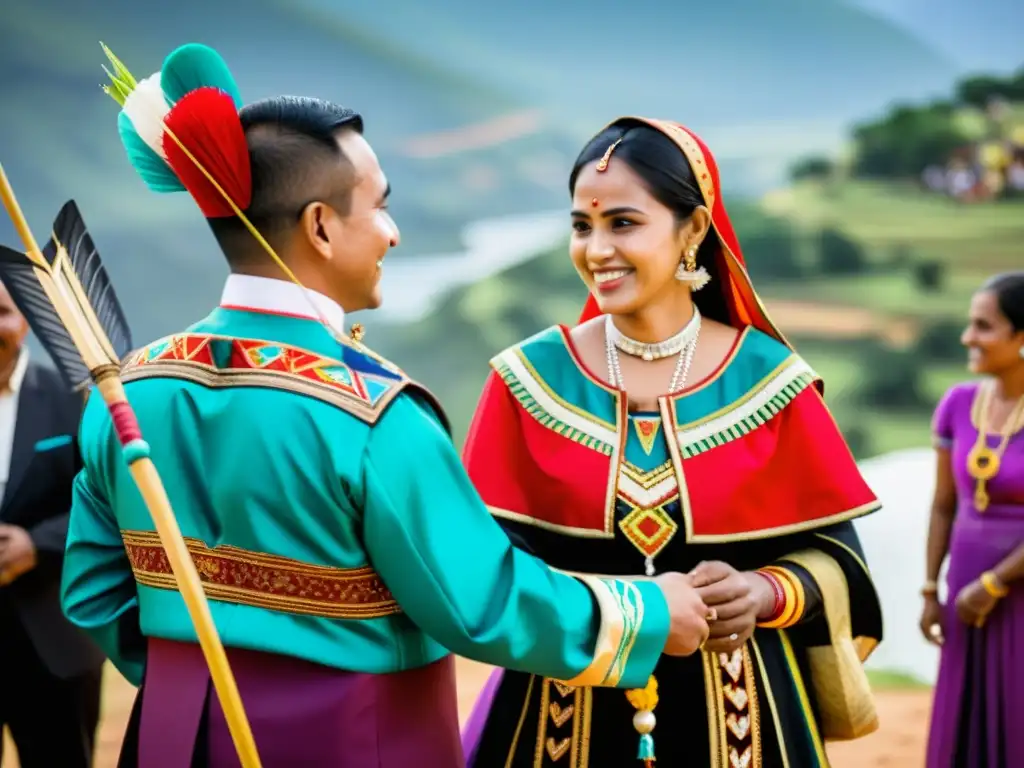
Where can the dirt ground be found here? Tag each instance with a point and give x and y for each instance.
(899, 742)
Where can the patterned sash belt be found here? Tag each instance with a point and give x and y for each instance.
(233, 575)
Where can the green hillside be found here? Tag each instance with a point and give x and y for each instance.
(895, 222)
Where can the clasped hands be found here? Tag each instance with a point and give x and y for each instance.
(714, 607)
(973, 604)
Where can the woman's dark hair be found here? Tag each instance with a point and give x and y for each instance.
(667, 176)
(1009, 292)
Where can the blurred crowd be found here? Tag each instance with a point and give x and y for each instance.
(988, 169)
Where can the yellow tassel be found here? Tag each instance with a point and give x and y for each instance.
(645, 698)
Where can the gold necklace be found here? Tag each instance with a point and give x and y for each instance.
(982, 461)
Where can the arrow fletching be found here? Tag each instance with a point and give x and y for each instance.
(96, 332)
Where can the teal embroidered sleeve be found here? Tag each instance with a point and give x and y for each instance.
(455, 573)
(98, 591)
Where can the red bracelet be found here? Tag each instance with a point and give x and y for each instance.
(780, 596)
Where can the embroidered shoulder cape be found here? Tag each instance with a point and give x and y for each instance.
(755, 450)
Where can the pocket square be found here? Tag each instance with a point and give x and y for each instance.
(49, 443)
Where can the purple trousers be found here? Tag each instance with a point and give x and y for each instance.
(302, 714)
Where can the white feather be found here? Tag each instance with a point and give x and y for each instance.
(146, 107)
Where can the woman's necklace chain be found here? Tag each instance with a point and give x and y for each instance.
(983, 462)
(616, 340)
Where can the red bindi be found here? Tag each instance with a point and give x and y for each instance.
(594, 202)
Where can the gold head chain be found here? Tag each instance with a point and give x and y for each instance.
(602, 165)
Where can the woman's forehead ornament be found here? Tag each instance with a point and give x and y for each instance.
(602, 164)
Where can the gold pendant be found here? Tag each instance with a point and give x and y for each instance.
(983, 463)
(981, 498)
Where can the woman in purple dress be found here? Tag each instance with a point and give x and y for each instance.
(978, 520)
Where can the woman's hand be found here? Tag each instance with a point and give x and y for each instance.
(738, 598)
(931, 620)
(974, 603)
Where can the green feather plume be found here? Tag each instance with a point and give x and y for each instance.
(195, 66)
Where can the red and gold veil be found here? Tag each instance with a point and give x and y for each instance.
(732, 279)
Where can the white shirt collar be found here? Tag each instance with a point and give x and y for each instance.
(18, 374)
(282, 297)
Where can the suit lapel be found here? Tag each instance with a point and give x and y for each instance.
(33, 424)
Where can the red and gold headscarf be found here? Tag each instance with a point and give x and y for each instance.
(732, 279)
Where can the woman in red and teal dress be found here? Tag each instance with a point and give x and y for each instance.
(674, 428)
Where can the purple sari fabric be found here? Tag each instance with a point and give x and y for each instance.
(474, 727)
(979, 694)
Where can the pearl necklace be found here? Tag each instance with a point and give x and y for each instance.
(689, 335)
(659, 349)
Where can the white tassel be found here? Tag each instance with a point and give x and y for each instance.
(697, 279)
(146, 107)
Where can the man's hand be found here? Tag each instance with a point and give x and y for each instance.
(739, 599)
(17, 553)
(688, 627)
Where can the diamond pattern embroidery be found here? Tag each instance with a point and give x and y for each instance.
(647, 525)
(649, 529)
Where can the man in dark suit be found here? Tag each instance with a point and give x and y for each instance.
(49, 670)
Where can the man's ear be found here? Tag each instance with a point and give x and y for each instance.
(313, 225)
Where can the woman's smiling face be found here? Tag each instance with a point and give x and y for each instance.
(626, 246)
(993, 345)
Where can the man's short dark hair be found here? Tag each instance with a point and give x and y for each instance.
(295, 160)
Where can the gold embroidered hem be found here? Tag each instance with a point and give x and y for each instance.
(233, 575)
(223, 361)
(564, 725)
(734, 718)
(840, 683)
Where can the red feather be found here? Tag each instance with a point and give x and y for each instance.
(206, 122)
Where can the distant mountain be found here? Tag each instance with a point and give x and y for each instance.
(476, 109)
(58, 136)
(982, 35)
(724, 67)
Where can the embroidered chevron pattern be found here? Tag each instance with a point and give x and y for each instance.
(647, 489)
(757, 409)
(543, 406)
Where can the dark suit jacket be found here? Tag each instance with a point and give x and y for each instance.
(44, 462)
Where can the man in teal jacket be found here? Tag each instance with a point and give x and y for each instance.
(344, 551)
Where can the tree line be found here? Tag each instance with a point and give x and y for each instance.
(912, 137)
